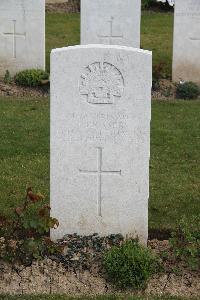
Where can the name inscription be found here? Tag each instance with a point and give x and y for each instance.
(97, 127)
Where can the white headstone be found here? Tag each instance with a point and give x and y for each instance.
(111, 22)
(22, 35)
(186, 54)
(100, 140)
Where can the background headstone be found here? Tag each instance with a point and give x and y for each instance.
(100, 140)
(22, 35)
(112, 22)
(186, 54)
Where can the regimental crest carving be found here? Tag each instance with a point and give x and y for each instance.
(101, 83)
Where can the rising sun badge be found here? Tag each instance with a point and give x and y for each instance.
(101, 83)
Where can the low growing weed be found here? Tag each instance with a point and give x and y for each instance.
(130, 265)
(185, 242)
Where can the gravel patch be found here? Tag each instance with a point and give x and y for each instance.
(19, 91)
(78, 271)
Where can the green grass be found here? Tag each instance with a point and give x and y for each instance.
(175, 162)
(174, 166)
(57, 297)
(24, 149)
(156, 34)
(62, 30)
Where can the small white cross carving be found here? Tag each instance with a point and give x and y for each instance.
(111, 36)
(15, 35)
(99, 172)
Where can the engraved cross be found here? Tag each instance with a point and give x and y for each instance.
(99, 173)
(111, 36)
(15, 35)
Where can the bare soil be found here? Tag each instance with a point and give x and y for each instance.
(19, 91)
(166, 90)
(72, 6)
(49, 277)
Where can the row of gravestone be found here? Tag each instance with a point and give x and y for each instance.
(22, 32)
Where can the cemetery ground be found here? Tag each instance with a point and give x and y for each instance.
(174, 165)
(43, 297)
(175, 141)
(173, 124)
(174, 188)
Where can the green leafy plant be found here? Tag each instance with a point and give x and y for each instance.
(31, 78)
(167, 92)
(130, 265)
(25, 237)
(185, 242)
(187, 90)
(7, 77)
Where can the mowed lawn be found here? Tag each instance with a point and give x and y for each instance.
(156, 34)
(174, 165)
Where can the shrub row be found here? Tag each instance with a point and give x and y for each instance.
(30, 78)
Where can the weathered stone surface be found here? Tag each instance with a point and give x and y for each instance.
(114, 22)
(22, 35)
(100, 140)
(186, 53)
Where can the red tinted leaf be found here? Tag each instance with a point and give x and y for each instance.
(34, 197)
(19, 210)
